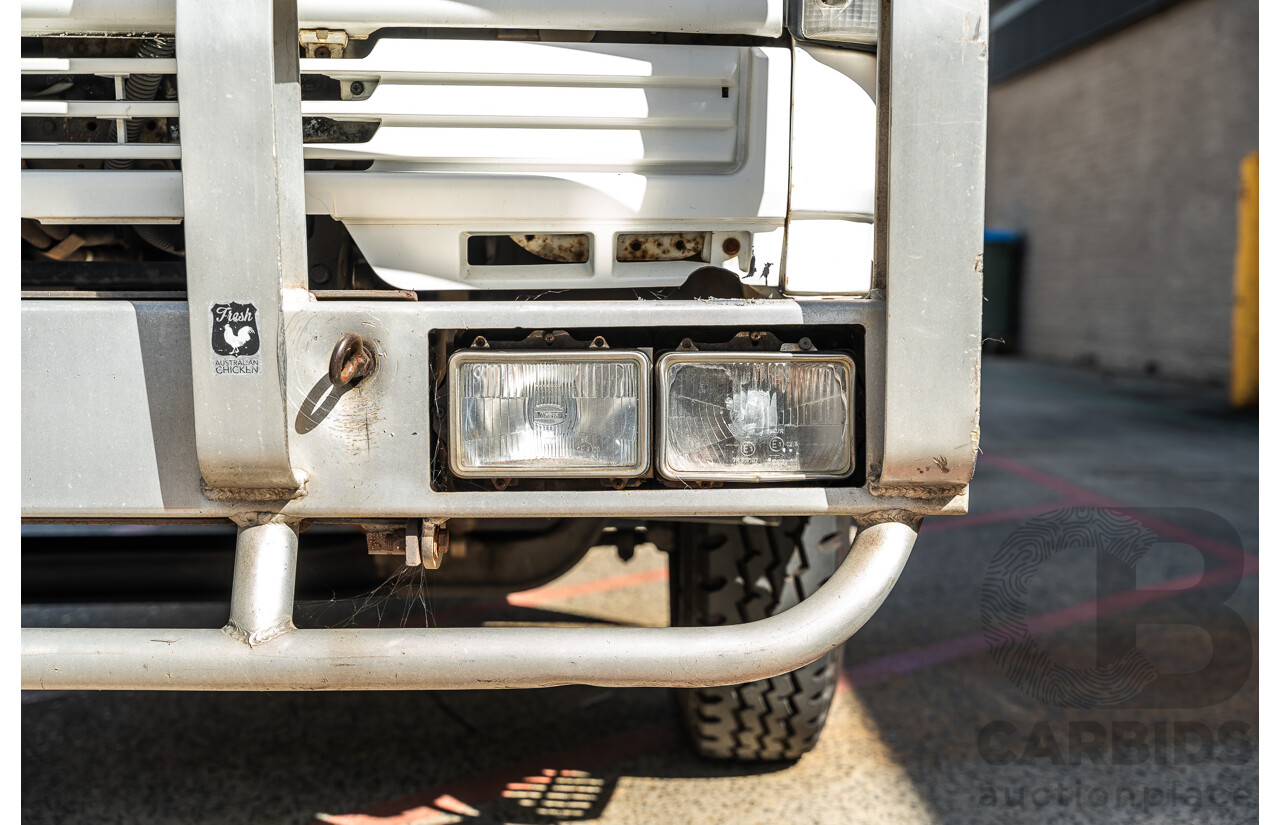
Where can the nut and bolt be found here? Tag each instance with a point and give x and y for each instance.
(320, 273)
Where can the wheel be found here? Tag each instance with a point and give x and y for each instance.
(730, 574)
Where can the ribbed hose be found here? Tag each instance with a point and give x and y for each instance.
(165, 238)
(141, 87)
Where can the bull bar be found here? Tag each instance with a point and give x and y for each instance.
(260, 650)
(193, 450)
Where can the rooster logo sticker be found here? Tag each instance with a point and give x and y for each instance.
(236, 339)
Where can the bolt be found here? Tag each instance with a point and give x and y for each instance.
(321, 51)
(731, 246)
(320, 273)
(357, 88)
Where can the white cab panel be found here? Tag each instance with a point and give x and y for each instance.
(833, 172)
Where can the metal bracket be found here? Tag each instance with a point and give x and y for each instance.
(422, 542)
(323, 42)
(245, 229)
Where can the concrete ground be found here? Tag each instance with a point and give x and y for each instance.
(927, 726)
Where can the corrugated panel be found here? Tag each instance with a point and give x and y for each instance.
(456, 105)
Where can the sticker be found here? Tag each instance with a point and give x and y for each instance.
(236, 341)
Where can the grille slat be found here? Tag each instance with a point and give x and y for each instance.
(458, 105)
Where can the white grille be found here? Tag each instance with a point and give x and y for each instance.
(463, 105)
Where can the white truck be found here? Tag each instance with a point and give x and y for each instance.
(500, 276)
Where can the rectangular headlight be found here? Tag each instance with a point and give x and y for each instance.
(744, 417)
(564, 414)
(838, 21)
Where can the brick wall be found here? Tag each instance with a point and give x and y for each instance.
(1120, 163)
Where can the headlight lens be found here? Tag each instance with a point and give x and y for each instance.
(755, 418)
(840, 21)
(562, 414)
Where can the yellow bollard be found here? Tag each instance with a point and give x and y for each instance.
(1244, 335)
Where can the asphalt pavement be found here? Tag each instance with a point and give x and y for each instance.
(1113, 678)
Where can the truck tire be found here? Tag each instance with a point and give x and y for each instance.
(731, 574)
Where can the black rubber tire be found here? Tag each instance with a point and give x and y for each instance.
(731, 574)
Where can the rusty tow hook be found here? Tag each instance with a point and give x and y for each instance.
(352, 359)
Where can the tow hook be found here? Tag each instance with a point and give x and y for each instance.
(352, 359)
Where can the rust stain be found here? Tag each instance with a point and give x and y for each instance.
(661, 246)
(566, 249)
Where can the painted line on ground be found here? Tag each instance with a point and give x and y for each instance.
(957, 647)
(543, 595)
(945, 524)
(443, 803)
(1084, 497)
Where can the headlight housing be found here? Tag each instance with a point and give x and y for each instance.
(755, 417)
(549, 414)
(837, 21)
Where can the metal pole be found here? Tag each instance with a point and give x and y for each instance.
(245, 226)
(262, 589)
(936, 99)
(462, 658)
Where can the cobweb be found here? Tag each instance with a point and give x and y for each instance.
(403, 599)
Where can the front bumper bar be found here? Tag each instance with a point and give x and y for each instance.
(260, 651)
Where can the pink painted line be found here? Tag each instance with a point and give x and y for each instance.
(543, 595)
(908, 661)
(1084, 497)
(1039, 477)
(540, 596)
(429, 807)
(943, 525)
